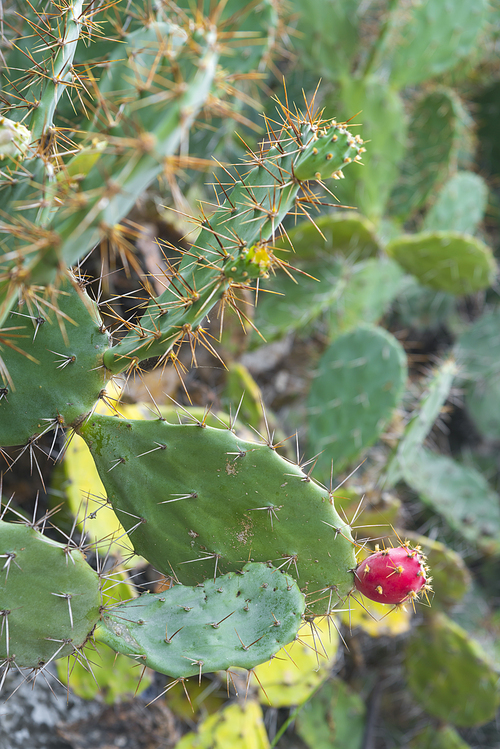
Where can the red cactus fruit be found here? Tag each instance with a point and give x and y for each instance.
(393, 575)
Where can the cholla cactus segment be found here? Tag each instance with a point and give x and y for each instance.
(235, 245)
(49, 598)
(15, 139)
(240, 619)
(196, 501)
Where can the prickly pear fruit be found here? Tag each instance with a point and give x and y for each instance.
(392, 575)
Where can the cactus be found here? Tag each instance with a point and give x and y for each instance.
(444, 737)
(460, 205)
(428, 38)
(434, 133)
(460, 494)
(55, 367)
(358, 384)
(50, 598)
(437, 390)
(384, 123)
(334, 718)
(218, 631)
(477, 352)
(199, 500)
(236, 620)
(450, 675)
(446, 261)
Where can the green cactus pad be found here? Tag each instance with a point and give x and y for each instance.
(205, 501)
(359, 381)
(446, 261)
(334, 718)
(379, 109)
(240, 619)
(49, 597)
(460, 204)
(422, 420)
(450, 675)
(55, 368)
(478, 352)
(422, 308)
(433, 139)
(328, 35)
(342, 232)
(243, 228)
(431, 36)
(460, 494)
(444, 737)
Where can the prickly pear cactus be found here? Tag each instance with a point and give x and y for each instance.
(450, 675)
(460, 204)
(55, 366)
(240, 619)
(50, 597)
(446, 261)
(196, 501)
(359, 381)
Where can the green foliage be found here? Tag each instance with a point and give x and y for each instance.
(378, 108)
(358, 384)
(430, 37)
(333, 718)
(446, 261)
(433, 138)
(235, 620)
(459, 493)
(450, 675)
(444, 737)
(460, 204)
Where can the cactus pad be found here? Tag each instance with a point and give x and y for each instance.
(49, 597)
(240, 619)
(203, 501)
(359, 381)
(460, 204)
(446, 261)
(55, 369)
(450, 674)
